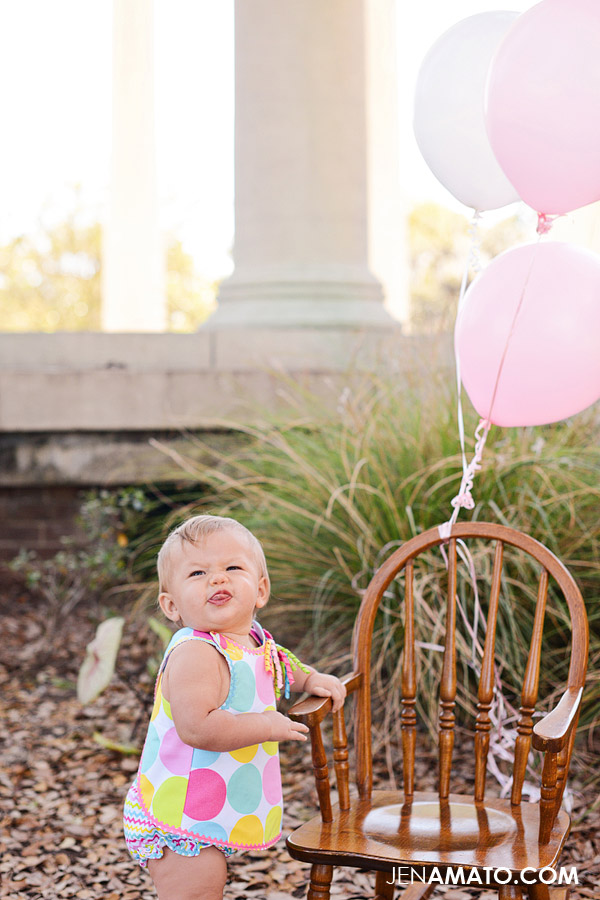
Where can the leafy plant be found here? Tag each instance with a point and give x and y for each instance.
(91, 563)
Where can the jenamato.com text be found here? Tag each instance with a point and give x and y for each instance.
(484, 876)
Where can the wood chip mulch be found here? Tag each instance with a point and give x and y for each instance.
(61, 793)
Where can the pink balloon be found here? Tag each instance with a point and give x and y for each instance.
(542, 111)
(527, 335)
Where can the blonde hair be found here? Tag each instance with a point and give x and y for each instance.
(197, 528)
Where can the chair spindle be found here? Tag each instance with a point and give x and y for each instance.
(564, 761)
(561, 779)
(340, 758)
(548, 795)
(483, 722)
(319, 761)
(448, 681)
(409, 689)
(529, 693)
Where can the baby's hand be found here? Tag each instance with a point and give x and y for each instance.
(284, 729)
(326, 686)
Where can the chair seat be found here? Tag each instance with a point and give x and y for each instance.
(385, 832)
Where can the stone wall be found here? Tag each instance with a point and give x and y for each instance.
(45, 476)
(95, 381)
(81, 411)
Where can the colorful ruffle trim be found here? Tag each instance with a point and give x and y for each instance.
(281, 664)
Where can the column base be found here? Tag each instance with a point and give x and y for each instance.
(294, 304)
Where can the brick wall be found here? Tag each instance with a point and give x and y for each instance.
(35, 518)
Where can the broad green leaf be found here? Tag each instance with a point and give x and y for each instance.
(125, 749)
(161, 630)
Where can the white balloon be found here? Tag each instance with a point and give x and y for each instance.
(449, 121)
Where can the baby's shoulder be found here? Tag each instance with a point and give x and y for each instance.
(194, 660)
(194, 664)
(196, 645)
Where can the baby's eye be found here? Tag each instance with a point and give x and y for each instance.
(197, 572)
(233, 567)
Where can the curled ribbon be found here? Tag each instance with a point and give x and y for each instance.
(464, 498)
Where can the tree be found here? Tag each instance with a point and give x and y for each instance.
(439, 243)
(51, 280)
(190, 297)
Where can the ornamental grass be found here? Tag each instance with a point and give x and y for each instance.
(344, 481)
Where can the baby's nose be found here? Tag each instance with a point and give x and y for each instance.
(218, 577)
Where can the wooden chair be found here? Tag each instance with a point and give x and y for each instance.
(386, 830)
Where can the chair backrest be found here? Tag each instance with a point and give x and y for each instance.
(404, 560)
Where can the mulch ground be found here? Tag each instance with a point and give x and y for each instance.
(61, 792)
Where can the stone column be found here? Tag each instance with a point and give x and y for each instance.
(133, 254)
(302, 206)
(388, 247)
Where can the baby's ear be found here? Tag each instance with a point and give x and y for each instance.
(168, 606)
(262, 595)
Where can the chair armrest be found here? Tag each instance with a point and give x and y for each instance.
(314, 709)
(552, 732)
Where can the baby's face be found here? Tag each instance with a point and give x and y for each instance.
(215, 584)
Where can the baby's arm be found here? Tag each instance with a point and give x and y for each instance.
(196, 683)
(320, 685)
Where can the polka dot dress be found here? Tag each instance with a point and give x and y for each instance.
(229, 799)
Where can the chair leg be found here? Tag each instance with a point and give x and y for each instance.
(384, 886)
(320, 882)
(511, 892)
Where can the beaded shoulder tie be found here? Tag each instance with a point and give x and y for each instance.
(281, 664)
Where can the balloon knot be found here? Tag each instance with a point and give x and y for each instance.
(464, 499)
(545, 223)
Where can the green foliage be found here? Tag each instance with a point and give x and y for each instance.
(90, 563)
(438, 246)
(190, 297)
(439, 242)
(115, 746)
(163, 632)
(51, 280)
